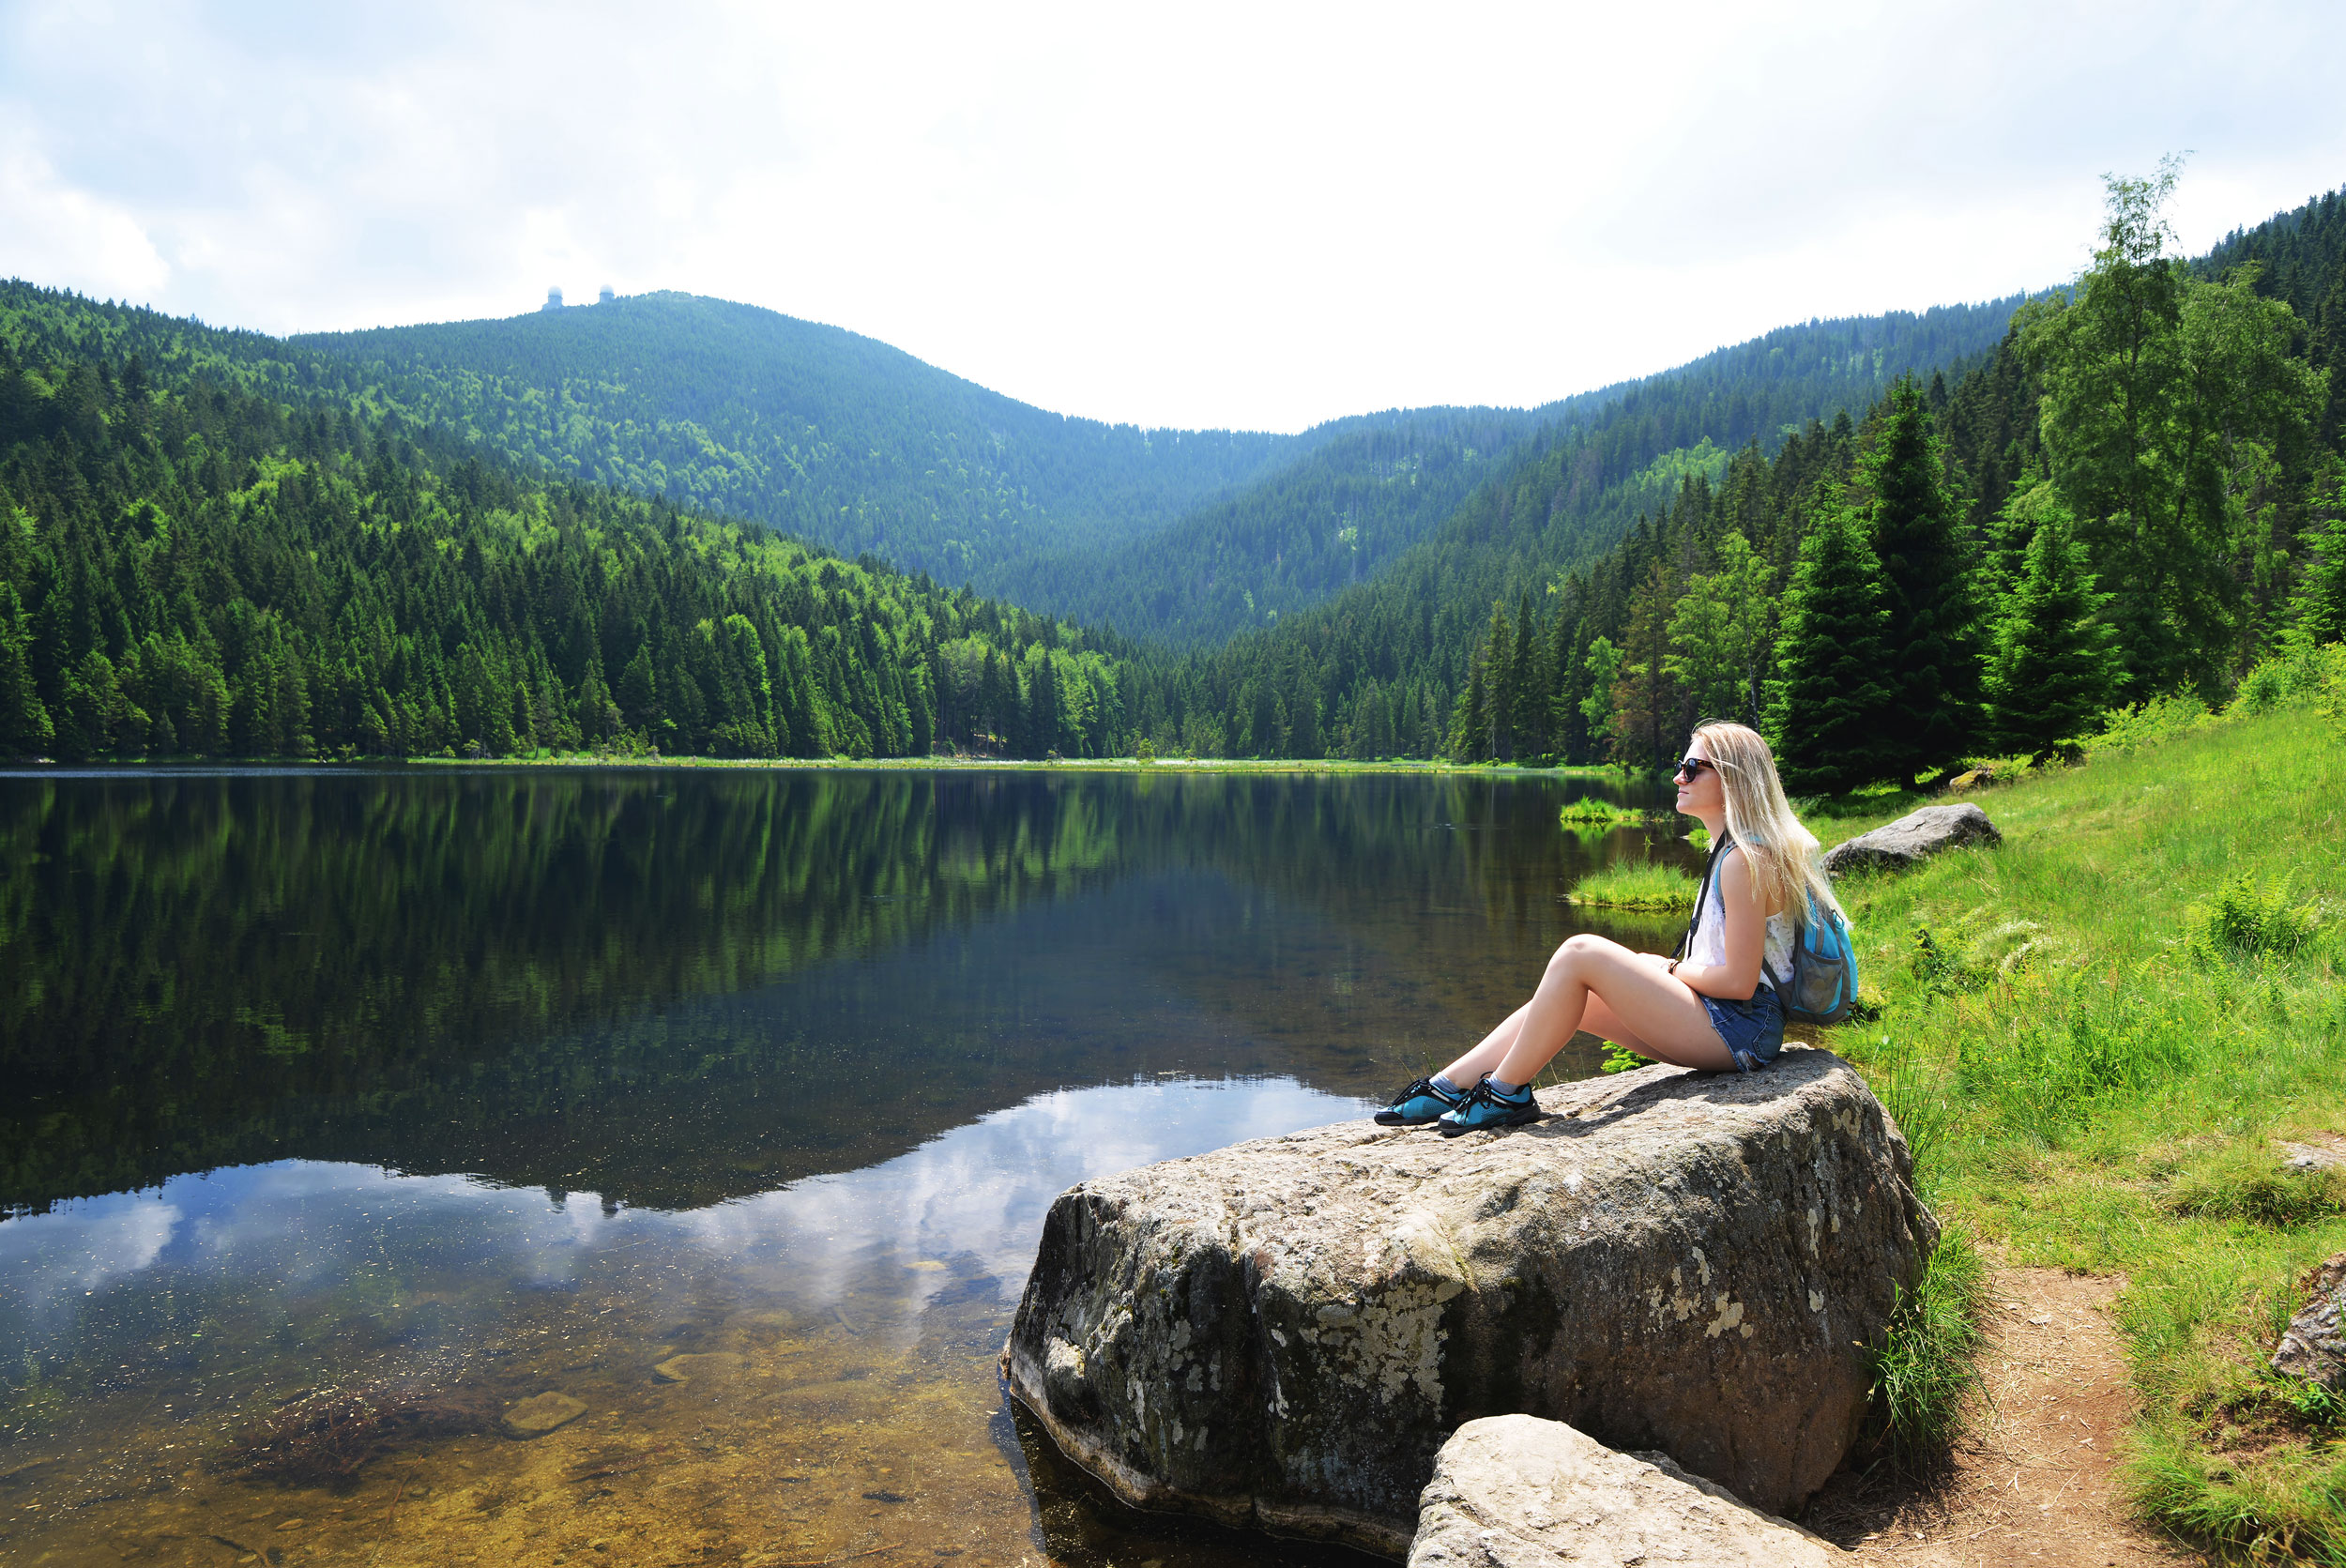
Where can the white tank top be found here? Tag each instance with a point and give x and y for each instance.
(1710, 940)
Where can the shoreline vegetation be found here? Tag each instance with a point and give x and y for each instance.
(1642, 885)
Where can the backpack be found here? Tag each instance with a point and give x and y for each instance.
(1824, 984)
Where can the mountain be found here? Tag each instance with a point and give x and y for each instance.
(209, 545)
(1400, 642)
(820, 433)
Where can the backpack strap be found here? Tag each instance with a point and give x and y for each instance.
(1719, 846)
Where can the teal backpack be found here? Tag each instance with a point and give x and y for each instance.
(1824, 984)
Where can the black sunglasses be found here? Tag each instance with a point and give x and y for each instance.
(1689, 767)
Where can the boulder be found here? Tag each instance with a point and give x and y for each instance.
(1284, 1332)
(1912, 839)
(1519, 1492)
(542, 1414)
(2314, 1343)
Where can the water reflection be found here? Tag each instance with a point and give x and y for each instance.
(839, 1331)
(339, 1111)
(624, 981)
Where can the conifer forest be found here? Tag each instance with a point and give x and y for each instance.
(1893, 543)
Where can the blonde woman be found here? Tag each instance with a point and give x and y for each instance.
(1714, 1009)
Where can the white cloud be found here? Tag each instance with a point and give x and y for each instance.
(51, 231)
(1221, 215)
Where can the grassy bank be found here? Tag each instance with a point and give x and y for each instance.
(1637, 885)
(2093, 1035)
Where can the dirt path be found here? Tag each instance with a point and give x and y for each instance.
(2032, 1482)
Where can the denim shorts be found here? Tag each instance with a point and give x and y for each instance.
(1753, 1031)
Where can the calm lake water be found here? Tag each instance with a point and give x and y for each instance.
(342, 1111)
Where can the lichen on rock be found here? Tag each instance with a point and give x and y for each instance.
(1282, 1333)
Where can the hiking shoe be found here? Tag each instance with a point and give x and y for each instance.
(1419, 1103)
(1485, 1106)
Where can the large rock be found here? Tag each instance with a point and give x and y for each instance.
(1282, 1334)
(1519, 1492)
(2314, 1343)
(1912, 839)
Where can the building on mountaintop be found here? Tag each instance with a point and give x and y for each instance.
(554, 300)
(605, 297)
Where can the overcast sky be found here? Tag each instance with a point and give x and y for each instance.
(1256, 216)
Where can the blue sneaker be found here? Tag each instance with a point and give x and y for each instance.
(1485, 1106)
(1421, 1103)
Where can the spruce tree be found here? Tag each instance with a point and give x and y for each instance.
(1935, 658)
(1830, 701)
(2056, 661)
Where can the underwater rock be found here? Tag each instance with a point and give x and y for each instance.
(702, 1364)
(2314, 1343)
(1525, 1492)
(542, 1414)
(1912, 839)
(1282, 1333)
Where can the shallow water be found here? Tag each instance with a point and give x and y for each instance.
(726, 1105)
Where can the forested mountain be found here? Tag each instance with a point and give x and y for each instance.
(1375, 669)
(194, 561)
(834, 437)
(1337, 516)
(2141, 492)
(222, 542)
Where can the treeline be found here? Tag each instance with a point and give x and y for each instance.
(2140, 493)
(190, 568)
(1376, 669)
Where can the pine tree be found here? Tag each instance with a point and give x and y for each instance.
(2056, 660)
(24, 726)
(2318, 610)
(1830, 701)
(1935, 665)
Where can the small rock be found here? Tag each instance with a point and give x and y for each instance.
(1912, 839)
(700, 1363)
(540, 1414)
(2325, 1152)
(1529, 1493)
(2314, 1343)
(1973, 780)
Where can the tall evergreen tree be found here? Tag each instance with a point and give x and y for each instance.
(2056, 660)
(1935, 657)
(1831, 702)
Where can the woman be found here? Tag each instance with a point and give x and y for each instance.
(1714, 1009)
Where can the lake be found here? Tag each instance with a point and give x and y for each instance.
(341, 1111)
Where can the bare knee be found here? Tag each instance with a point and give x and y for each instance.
(1576, 952)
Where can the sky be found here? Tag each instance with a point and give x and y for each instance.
(1254, 217)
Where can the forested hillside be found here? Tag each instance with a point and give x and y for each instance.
(191, 562)
(1374, 670)
(834, 437)
(2140, 493)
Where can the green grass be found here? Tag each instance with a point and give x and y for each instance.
(1592, 810)
(1637, 885)
(2091, 1036)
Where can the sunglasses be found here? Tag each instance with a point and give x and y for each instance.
(1691, 768)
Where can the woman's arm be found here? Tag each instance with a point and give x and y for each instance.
(1746, 938)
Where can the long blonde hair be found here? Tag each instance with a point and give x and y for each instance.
(1781, 853)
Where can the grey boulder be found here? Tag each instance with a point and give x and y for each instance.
(1519, 1492)
(2314, 1343)
(1282, 1333)
(1912, 839)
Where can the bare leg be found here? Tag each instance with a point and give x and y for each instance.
(1604, 987)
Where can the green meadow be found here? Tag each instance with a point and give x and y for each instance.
(2093, 1036)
